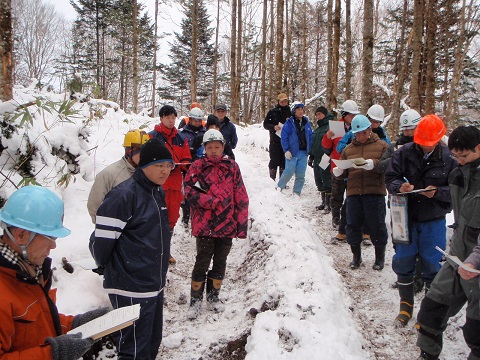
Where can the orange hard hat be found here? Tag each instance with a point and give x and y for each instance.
(194, 105)
(429, 131)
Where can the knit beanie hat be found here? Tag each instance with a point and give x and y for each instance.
(322, 109)
(152, 152)
(213, 120)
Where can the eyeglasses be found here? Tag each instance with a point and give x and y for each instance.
(165, 166)
(53, 239)
(458, 157)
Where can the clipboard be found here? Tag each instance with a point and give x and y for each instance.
(416, 191)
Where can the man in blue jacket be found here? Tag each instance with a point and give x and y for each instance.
(297, 137)
(131, 242)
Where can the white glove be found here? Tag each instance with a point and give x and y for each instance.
(337, 171)
(367, 166)
(288, 155)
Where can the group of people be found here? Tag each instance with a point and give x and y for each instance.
(134, 204)
(429, 176)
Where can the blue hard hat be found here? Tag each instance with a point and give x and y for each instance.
(360, 123)
(36, 209)
(295, 106)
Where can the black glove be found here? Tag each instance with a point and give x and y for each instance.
(81, 319)
(69, 347)
(310, 161)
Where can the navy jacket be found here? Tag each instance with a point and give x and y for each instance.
(132, 238)
(195, 138)
(408, 162)
(229, 132)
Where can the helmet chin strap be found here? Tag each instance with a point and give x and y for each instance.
(22, 247)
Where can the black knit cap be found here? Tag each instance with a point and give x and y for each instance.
(166, 110)
(213, 120)
(153, 151)
(322, 109)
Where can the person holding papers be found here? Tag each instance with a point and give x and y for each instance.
(451, 289)
(30, 325)
(323, 179)
(131, 242)
(365, 191)
(423, 164)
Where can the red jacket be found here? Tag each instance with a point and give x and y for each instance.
(26, 319)
(180, 151)
(331, 145)
(221, 209)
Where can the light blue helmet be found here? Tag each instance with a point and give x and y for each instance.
(295, 105)
(360, 123)
(36, 209)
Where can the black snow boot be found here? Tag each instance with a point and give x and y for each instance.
(196, 297)
(357, 256)
(405, 290)
(213, 291)
(322, 205)
(273, 173)
(327, 203)
(427, 356)
(379, 257)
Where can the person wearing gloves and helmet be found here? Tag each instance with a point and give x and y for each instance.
(366, 192)
(219, 204)
(30, 325)
(117, 172)
(426, 164)
(296, 138)
(348, 110)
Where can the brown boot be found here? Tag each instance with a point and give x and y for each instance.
(213, 291)
(196, 297)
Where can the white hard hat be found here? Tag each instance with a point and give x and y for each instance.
(350, 106)
(409, 119)
(376, 112)
(196, 113)
(213, 135)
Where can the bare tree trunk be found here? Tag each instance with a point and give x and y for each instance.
(271, 52)
(367, 55)
(329, 80)
(288, 52)
(304, 53)
(233, 59)
(193, 58)
(335, 54)
(263, 71)
(135, 58)
(418, 9)
(236, 105)
(279, 46)
(318, 36)
(215, 58)
(348, 52)
(6, 47)
(155, 44)
(401, 69)
(431, 50)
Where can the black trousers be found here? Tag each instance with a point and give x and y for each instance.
(209, 248)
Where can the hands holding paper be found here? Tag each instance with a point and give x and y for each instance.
(337, 171)
(367, 166)
(465, 274)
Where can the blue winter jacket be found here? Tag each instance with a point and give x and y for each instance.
(290, 136)
(347, 139)
(229, 132)
(131, 240)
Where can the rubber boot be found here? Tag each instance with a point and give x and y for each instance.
(357, 257)
(213, 291)
(196, 297)
(185, 213)
(273, 173)
(405, 290)
(322, 205)
(327, 203)
(379, 257)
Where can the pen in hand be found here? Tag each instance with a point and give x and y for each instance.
(406, 180)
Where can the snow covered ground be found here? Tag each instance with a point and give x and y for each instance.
(288, 291)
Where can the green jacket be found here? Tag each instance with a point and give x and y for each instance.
(464, 184)
(317, 150)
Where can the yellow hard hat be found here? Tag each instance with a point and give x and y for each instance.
(135, 138)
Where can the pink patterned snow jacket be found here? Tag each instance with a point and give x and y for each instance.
(218, 198)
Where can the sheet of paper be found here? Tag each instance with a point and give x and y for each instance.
(114, 320)
(343, 164)
(279, 132)
(325, 161)
(337, 128)
(457, 261)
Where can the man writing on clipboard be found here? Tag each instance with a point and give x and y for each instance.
(426, 164)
